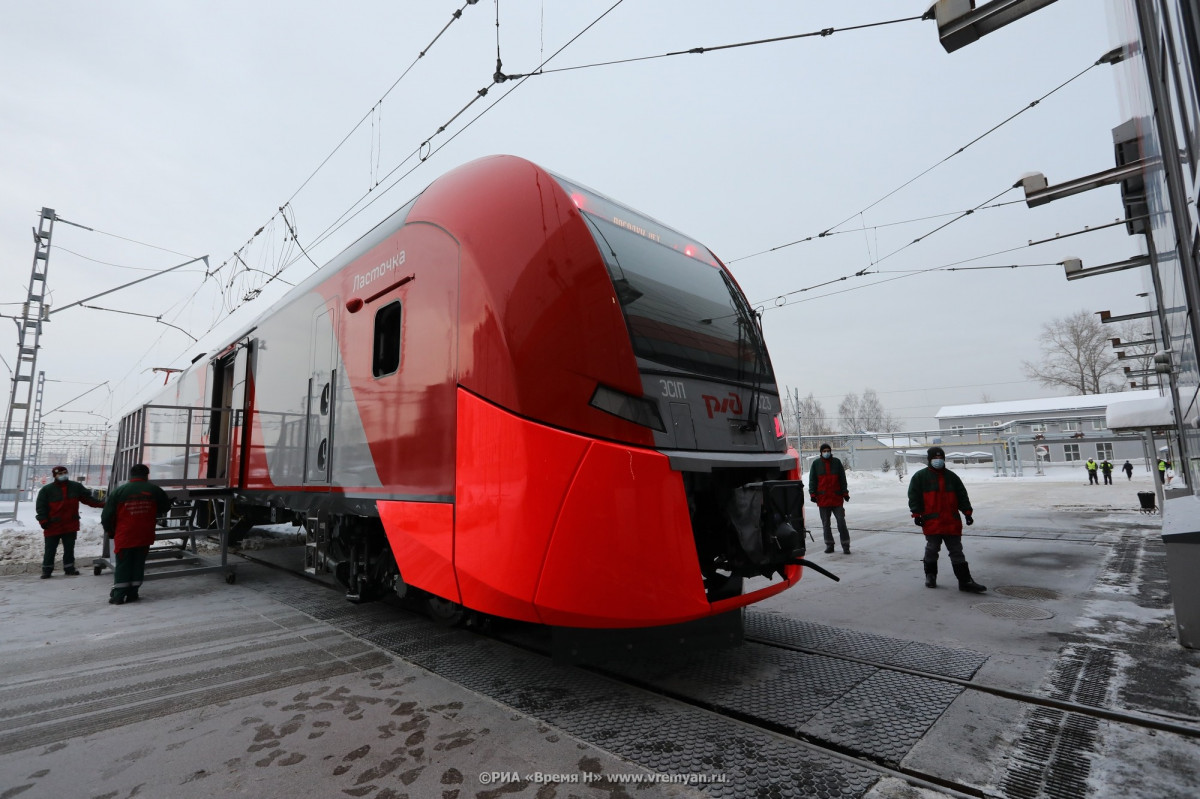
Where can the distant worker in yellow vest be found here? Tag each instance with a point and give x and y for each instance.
(1091, 470)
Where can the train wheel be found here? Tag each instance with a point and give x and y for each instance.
(445, 612)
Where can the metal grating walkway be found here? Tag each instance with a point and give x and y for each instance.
(850, 706)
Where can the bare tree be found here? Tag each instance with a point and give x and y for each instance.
(874, 416)
(813, 421)
(1076, 354)
(866, 413)
(850, 411)
(1138, 345)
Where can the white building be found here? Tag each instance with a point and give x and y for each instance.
(1052, 429)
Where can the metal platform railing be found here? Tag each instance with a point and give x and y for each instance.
(195, 513)
(193, 467)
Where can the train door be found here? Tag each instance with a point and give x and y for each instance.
(220, 426)
(227, 404)
(318, 446)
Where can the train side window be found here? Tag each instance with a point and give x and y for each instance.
(386, 359)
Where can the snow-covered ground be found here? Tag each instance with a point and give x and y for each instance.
(882, 495)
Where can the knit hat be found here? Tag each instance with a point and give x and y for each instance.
(936, 452)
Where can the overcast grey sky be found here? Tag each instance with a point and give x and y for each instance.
(186, 125)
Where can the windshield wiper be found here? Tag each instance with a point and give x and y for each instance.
(749, 325)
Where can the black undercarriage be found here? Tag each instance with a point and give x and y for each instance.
(746, 524)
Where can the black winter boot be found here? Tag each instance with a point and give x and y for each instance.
(963, 572)
(930, 574)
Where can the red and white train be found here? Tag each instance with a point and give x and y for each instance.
(514, 396)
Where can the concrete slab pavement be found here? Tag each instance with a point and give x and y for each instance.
(204, 689)
(1076, 574)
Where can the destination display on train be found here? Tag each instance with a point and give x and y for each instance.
(596, 205)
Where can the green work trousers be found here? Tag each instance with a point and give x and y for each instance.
(129, 572)
(68, 545)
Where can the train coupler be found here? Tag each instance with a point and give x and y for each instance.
(808, 564)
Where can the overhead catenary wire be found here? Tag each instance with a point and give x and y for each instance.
(59, 248)
(914, 273)
(155, 272)
(157, 318)
(425, 150)
(870, 270)
(441, 129)
(367, 200)
(965, 268)
(962, 215)
(454, 17)
(833, 228)
(127, 285)
(131, 241)
(823, 32)
(881, 225)
(292, 230)
(73, 399)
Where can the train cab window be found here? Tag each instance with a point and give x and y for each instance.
(386, 357)
(680, 307)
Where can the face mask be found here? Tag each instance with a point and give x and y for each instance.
(827, 455)
(937, 463)
(60, 477)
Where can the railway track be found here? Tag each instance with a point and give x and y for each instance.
(1187, 727)
(798, 710)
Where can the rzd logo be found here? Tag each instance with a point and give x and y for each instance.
(731, 404)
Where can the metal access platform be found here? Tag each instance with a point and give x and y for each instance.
(176, 535)
(191, 466)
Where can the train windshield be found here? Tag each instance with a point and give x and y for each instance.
(680, 306)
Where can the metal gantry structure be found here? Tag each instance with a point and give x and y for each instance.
(21, 409)
(36, 430)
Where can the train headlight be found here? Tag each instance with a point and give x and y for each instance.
(638, 410)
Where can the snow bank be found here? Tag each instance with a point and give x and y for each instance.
(1139, 414)
(21, 541)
